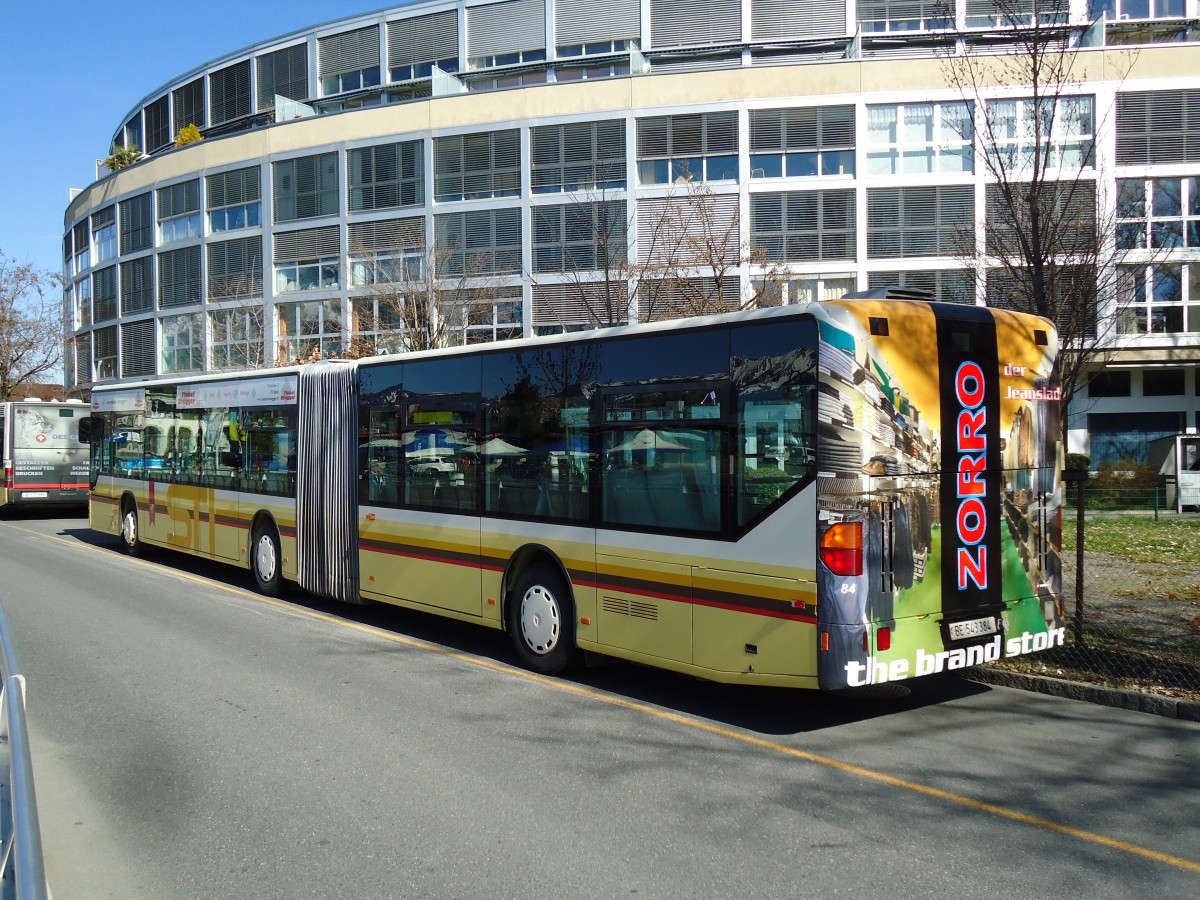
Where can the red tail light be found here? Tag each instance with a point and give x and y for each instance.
(841, 548)
(8, 477)
(883, 639)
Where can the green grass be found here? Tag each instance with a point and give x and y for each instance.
(1140, 538)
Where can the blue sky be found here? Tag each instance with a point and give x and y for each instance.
(69, 73)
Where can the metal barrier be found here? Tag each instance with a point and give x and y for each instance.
(22, 865)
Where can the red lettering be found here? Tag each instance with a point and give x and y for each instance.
(972, 521)
(972, 567)
(968, 385)
(970, 471)
(970, 431)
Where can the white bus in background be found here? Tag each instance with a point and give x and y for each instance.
(44, 462)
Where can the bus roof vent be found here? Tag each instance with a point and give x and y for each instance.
(891, 293)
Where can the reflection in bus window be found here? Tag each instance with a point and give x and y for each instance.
(775, 373)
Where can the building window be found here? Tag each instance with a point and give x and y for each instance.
(83, 303)
(1009, 13)
(235, 340)
(590, 73)
(599, 48)
(493, 315)
(474, 244)
(815, 288)
(82, 257)
(137, 285)
(310, 328)
(579, 236)
(133, 132)
(234, 199)
(803, 226)
(179, 212)
(104, 353)
(137, 348)
(307, 275)
(349, 61)
(1163, 383)
(1163, 213)
(947, 285)
(182, 343)
(158, 124)
(682, 149)
(1055, 133)
(802, 143)
(1067, 210)
(1137, 9)
(282, 73)
(919, 221)
(919, 138)
(1158, 127)
(307, 260)
(229, 92)
(377, 323)
(306, 187)
(104, 234)
(876, 16)
(179, 277)
(387, 251)
(418, 43)
(477, 166)
(104, 293)
(188, 105)
(386, 176)
(235, 269)
(1109, 383)
(1161, 299)
(582, 156)
(506, 34)
(511, 80)
(137, 224)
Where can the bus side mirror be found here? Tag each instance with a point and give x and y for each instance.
(91, 430)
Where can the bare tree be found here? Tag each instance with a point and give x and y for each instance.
(1047, 243)
(32, 325)
(690, 255)
(405, 299)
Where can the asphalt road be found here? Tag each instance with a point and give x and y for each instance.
(192, 739)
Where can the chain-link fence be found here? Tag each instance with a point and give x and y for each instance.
(1131, 597)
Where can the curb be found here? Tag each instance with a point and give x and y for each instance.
(1168, 707)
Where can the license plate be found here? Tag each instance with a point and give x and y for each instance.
(34, 495)
(960, 631)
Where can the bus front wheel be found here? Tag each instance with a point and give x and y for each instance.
(131, 542)
(541, 621)
(265, 560)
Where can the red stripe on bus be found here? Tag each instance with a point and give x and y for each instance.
(29, 485)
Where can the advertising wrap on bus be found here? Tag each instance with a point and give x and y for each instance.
(958, 500)
(44, 461)
(819, 495)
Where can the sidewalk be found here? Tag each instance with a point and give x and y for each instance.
(1155, 704)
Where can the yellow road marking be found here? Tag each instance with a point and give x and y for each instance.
(592, 694)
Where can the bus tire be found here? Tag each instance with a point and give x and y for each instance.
(131, 541)
(541, 618)
(266, 560)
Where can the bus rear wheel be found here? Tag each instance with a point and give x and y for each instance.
(131, 541)
(541, 619)
(266, 559)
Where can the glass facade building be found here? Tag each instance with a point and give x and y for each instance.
(540, 162)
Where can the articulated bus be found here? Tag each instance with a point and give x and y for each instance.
(829, 495)
(45, 464)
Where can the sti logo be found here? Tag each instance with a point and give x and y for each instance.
(971, 445)
(40, 438)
